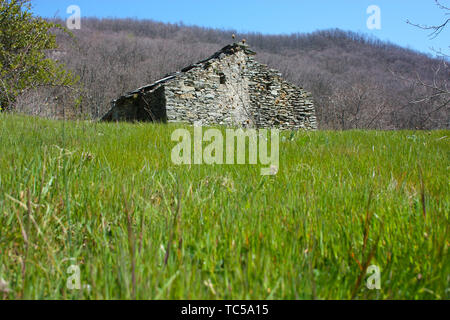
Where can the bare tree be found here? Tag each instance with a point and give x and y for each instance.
(436, 29)
(437, 90)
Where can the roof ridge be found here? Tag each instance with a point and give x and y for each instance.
(228, 50)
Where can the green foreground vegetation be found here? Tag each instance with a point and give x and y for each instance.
(107, 198)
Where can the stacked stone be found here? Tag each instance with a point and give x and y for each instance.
(278, 103)
(198, 96)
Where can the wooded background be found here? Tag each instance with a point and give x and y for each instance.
(357, 82)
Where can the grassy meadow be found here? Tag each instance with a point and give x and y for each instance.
(107, 199)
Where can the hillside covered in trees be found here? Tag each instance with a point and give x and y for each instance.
(356, 81)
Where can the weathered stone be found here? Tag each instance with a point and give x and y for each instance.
(229, 88)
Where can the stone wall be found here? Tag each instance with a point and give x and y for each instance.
(215, 93)
(141, 105)
(277, 103)
(124, 109)
(153, 104)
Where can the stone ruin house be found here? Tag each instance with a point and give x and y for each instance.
(229, 88)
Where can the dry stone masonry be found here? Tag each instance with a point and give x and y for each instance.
(230, 88)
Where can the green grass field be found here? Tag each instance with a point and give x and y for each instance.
(107, 198)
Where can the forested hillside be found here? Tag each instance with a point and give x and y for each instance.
(356, 81)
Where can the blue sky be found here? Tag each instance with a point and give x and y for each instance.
(274, 17)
